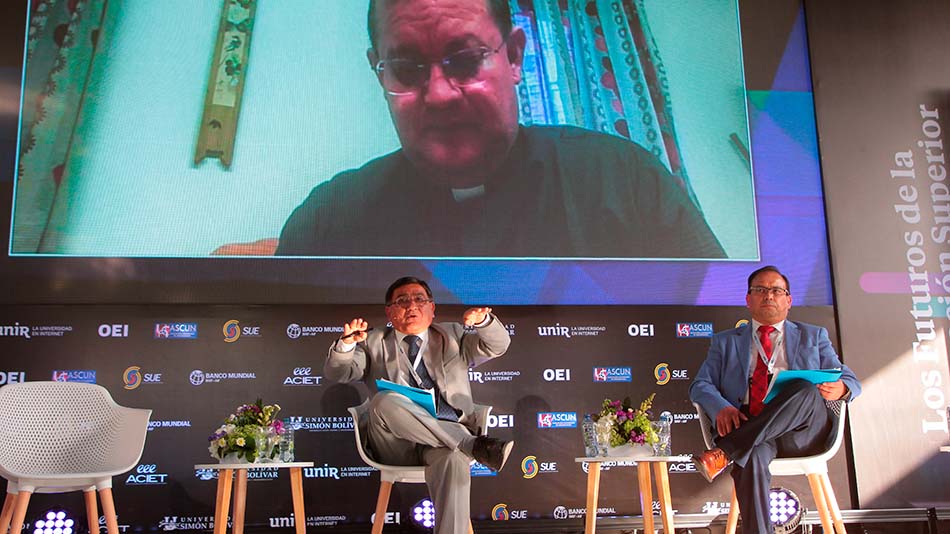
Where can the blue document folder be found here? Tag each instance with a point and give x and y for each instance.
(422, 397)
(815, 376)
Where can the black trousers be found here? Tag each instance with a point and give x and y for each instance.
(797, 422)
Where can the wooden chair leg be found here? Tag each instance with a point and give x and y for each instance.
(19, 511)
(817, 491)
(832, 504)
(92, 510)
(8, 504)
(108, 510)
(471, 529)
(732, 520)
(382, 503)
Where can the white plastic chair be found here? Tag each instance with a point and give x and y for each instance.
(57, 437)
(411, 474)
(815, 468)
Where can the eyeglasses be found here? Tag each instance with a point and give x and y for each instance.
(406, 301)
(401, 76)
(774, 291)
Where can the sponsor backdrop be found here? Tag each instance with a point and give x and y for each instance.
(884, 163)
(193, 365)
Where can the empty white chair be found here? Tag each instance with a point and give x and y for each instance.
(412, 474)
(57, 437)
(815, 468)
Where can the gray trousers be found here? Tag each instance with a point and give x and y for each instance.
(400, 432)
(795, 423)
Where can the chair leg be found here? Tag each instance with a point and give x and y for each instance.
(732, 520)
(382, 503)
(19, 511)
(832, 504)
(8, 504)
(814, 480)
(471, 529)
(92, 510)
(108, 510)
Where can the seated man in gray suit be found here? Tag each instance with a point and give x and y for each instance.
(417, 352)
(731, 386)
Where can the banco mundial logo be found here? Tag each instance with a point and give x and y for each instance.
(294, 330)
(197, 377)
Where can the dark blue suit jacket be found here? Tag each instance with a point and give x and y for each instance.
(723, 379)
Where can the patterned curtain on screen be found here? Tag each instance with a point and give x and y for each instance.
(595, 64)
(61, 40)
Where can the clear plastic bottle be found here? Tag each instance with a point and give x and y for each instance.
(590, 437)
(666, 424)
(286, 444)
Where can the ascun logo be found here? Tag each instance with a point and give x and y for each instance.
(479, 470)
(694, 329)
(557, 420)
(87, 376)
(176, 330)
(613, 374)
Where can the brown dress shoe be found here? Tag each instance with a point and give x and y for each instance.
(711, 463)
(491, 452)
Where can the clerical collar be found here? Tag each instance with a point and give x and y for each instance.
(461, 195)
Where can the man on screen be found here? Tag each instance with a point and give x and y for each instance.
(731, 385)
(469, 180)
(417, 352)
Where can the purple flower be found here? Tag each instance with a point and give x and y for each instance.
(277, 425)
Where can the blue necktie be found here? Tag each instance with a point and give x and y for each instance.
(442, 408)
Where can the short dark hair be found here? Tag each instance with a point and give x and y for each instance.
(768, 269)
(405, 281)
(500, 12)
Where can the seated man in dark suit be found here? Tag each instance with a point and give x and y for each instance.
(731, 385)
(417, 352)
(469, 181)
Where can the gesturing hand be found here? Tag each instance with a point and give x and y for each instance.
(474, 316)
(355, 331)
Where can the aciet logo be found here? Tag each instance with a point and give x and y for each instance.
(557, 420)
(145, 475)
(613, 374)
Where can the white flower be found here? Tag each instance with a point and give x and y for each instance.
(239, 442)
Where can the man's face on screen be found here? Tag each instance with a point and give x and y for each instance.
(407, 312)
(457, 121)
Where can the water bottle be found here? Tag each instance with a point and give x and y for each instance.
(286, 444)
(590, 437)
(666, 424)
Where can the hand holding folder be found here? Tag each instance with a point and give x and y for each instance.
(815, 376)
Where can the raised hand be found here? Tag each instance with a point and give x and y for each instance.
(474, 316)
(355, 331)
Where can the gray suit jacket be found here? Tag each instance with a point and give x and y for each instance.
(451, 352)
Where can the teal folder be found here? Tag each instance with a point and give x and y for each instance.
(815, 376)
(422, 397)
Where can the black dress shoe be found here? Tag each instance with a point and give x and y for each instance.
(491, 452)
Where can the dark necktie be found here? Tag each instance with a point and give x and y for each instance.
(442, 408)
(760, 377)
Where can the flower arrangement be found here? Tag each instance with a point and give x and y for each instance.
(627, 424)
(251, 433)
